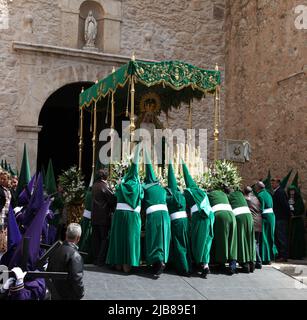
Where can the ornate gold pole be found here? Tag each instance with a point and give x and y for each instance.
(132, 92)
(216, 118)
(81, 139)
(81, 135)
(94, 137)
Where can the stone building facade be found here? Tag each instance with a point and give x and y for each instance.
(255, 43)
(266, 85)
(41, 51)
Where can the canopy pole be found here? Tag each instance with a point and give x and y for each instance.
(81, 139)
(132, 124)
(94, 137)
(81, 135)
(216, 118)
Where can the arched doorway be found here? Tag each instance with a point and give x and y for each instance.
(58, 139)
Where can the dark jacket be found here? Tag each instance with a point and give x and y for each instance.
(2, 198)
(104, 202)
(255, 209)
(67, 259)
(281, 206)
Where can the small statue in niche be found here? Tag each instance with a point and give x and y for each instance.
(90, 30)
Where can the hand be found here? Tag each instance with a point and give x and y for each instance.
(19, 275)
(7, 284)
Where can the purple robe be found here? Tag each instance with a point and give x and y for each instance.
(32, 290)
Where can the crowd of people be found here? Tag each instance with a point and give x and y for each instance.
(224, 231)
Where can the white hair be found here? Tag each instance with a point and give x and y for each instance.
(73, 231)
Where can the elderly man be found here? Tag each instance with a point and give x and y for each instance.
(282, 214)
(268, 248)
(254, 207)
(67, 259)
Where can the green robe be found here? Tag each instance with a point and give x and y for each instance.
(268, 248)
(202, 222)
(225, 240)
(158, 225)
(180, 231)
(85, 243)
(297, 247)
(125, 237)
(245, 228)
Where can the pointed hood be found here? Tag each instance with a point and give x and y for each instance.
(267, 182)
(13, 233)
(130, 187)
(189, 182)
(34, 232)
(150, 174)
(12, 172)
(36, 201)
(13, 237)
(25, 195)
(2, 164)
(284, 181)
(172, 182)
(295, 181)
(175, 199)
(50, 182)
(25, 175)
(6, 168)
(199, 196)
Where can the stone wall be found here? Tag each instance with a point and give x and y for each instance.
(191, 31)
(185, 30)
(264, 105)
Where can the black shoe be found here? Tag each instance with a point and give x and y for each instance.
(246, 268)
(252, 267)
(258, 265)
(159, 269)
(205, 272)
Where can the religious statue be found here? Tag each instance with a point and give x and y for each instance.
(90, 30)
(150, 106)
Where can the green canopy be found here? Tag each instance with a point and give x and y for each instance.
(174, 81)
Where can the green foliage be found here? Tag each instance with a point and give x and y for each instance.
(223, 174)
(72, 182)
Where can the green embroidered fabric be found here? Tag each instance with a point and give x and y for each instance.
(175, 82)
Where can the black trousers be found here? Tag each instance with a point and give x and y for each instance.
(100, 235)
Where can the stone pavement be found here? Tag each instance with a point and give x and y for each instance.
(266, 284)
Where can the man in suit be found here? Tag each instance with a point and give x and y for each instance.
(103, 204)
(282, 213)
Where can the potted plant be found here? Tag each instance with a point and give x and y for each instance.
(72, 183)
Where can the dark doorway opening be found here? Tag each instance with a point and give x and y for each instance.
(58, 138)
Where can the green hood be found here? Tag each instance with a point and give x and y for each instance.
(189, 182)
(284, 181)
(150, 177)
(130, 186)
(50, 183)
(267, 182)
(172, 182)
(25, 175)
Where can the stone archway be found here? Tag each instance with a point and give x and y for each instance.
(59, 122)
(35, 93)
